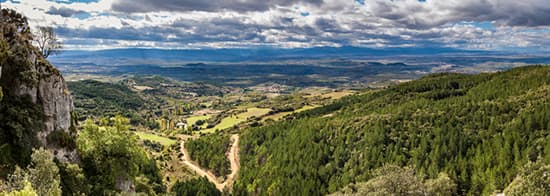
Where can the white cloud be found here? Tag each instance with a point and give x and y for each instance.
(507, 24)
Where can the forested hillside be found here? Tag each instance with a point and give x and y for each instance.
(107, 99)
(480, 130)
(209, 152)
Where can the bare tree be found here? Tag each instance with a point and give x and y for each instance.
(46, 40)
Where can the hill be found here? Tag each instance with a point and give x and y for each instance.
(478, 129)
(94, 98)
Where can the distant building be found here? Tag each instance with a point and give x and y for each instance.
(181, 125)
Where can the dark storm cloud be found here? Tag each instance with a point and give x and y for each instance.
(64, 12)
(528, 13)
(132, 6)
(422, 15)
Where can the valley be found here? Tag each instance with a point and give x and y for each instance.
(164, 112)
(254, 98)
(200, 129)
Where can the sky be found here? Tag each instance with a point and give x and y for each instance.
(494, 25)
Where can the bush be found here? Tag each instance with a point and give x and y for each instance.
(73, 180)
(534, 179)
(61, 139)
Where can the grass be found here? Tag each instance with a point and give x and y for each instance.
(162, 140)
(191, 120)
(233, 120)
(337, 95)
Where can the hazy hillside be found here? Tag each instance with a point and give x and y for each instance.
(478, 129)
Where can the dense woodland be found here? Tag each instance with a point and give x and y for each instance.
(110, 99)
(198, 186)
(209, 152)
(480, 130)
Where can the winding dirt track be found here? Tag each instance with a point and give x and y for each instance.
(232, 155)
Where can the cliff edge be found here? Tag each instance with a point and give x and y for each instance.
(35, 97)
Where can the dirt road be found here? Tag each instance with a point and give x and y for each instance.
(232, 155)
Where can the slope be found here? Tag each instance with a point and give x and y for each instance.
(479, 129)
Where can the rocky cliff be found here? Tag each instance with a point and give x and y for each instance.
(26, 74)
(52, 95)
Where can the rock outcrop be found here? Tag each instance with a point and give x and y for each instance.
(52, 94)
(26, 73)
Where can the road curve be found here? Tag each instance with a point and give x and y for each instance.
(232, 155)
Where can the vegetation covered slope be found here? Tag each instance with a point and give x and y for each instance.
(478, 129)
(209, 152)
(96, 98)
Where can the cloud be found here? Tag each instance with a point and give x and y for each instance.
(416, 14)
(65, 12)
(133, 6)
(464, 24)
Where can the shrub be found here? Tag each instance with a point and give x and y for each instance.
(61, 139)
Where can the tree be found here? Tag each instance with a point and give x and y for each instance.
(534, 179)
(394, 180)
(27, 190)
(73, 180)
(199, 186)
(47, 42)
(41, 177)
(111, 156)
(44, 173)
(442, 185)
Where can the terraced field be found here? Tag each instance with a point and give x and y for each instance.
(236, 119)
(156, 138)
(193, 119)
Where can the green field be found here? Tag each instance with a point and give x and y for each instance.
(162, 140)
(236, 119)
(191, 120)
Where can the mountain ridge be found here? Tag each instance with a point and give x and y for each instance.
(479, 129)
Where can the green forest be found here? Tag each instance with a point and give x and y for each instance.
(480, 130)
(209, 152)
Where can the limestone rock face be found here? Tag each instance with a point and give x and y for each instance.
(52, 94)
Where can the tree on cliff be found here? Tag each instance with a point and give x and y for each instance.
(41, 176)
(47, 42)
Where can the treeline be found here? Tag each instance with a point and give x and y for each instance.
(478, 129)
(96, 98)
(209, 152)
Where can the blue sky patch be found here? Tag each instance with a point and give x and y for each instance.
(74, 1)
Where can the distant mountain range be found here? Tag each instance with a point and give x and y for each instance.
(257, 54)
